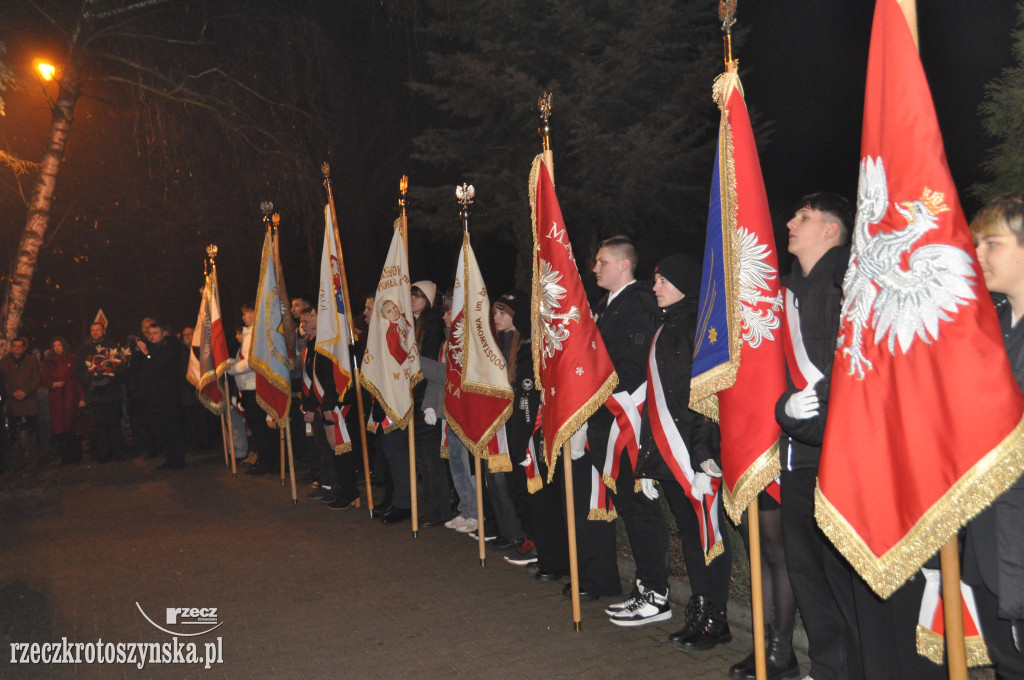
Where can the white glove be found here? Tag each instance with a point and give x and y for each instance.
(430, 416)
(711, 467)
(701, 486)
(578, 443)
(803, 404)
(648, 489)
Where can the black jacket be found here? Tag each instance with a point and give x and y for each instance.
(819, 297)
(674, 356)
(994, 548)
(97, 386)
(316, 364)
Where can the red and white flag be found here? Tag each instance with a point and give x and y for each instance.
(738, 364)
(924, 425)
(931, 623)
(270, 351)
(332, 338)
(478, 398)
(208, 357)
(391, 363)
(571, 365)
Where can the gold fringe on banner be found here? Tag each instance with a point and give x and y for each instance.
(972, 493)
(932, 646)
(759, 475)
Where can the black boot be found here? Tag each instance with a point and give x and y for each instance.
(779, 658)
(696, 611)
(745, 668)
(714, 630)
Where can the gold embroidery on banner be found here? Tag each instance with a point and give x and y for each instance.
(758, 476)
(932, 646)
(534, 484)
(574, 423)
(704, 386)
(499, 463)
(716, 550)
(973, 492)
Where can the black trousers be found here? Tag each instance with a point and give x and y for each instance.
(595, 539)
(1008, 661)
(264, 441)
(824, 603)
(547, 514)
(646, 528)
(106, 438)
(710, 580)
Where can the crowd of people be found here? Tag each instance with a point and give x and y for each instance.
(649, 331)
(109, 400)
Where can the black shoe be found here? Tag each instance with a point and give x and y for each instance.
(714, 631)
(381, 510)
(344, 502)
(697, 610)
(551, 576)
(585, 596)
(743, 669)
(396, 515)
(502, 543)
(780, 661)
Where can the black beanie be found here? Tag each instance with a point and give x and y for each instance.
(517, 305)
(682, 271)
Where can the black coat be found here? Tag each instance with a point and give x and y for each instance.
(627, 325)
(157, 371)
(674, 356)
(819, 297)
(314, 363)
(994, 549)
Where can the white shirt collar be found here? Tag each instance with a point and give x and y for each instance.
(612, 296)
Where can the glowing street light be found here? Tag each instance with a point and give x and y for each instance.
(47, 71)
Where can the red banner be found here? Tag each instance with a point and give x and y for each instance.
(571, 365)
(924, 425)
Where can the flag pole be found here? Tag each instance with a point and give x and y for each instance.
(211, 252)
(544, 108)
(280, 431)
(481, 541)
(403, 224)
(291, 462)
(230, 427)
(949, 554)
(326, 170)
(465, 194)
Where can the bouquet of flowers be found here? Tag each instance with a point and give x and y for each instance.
(106, 360)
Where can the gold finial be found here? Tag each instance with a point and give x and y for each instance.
(325, 170)
(211, 251)
(276, 219)
(544, 107)
(727, 15)
(403, 188)
(465, 194)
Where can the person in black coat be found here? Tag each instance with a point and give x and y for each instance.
(157, 360)
(994, 547)
(626, 320)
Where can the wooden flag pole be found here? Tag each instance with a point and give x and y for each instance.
(481, 541)
(403, 224)
(230, 428)
(756, 592)
(291, 463)
(325, 169)
(280, 430)
(952, 610)
(224, 437)
(570, 522)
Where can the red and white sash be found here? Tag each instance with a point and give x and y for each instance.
(534, 480)
(931, 629)
(673, 450)
(625, 431)
(801, 369)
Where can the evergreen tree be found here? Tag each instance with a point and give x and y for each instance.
(1002, 114)
(633, 124)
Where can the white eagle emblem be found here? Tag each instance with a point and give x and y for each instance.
(904, 292)
(457, 341)
(754, 274)
(553, 324)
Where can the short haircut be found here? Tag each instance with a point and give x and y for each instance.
(249, 306)
(307, 309)
(98, 323)
(835, 207)
(22, 339)
(1002, 215)
(623, 249)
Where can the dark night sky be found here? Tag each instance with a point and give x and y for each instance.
(802, 66)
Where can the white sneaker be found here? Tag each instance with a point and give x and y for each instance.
(468, 524)
(454, 522)
(638, 592)
(650, 608)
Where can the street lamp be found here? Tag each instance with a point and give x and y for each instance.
(47, 71)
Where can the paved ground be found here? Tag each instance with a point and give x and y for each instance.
(301, 591)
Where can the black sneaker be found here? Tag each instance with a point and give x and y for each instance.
(523, 554)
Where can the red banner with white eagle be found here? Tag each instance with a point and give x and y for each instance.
(924, 424)
(478, 398)
(571, 365)
(208, 355)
